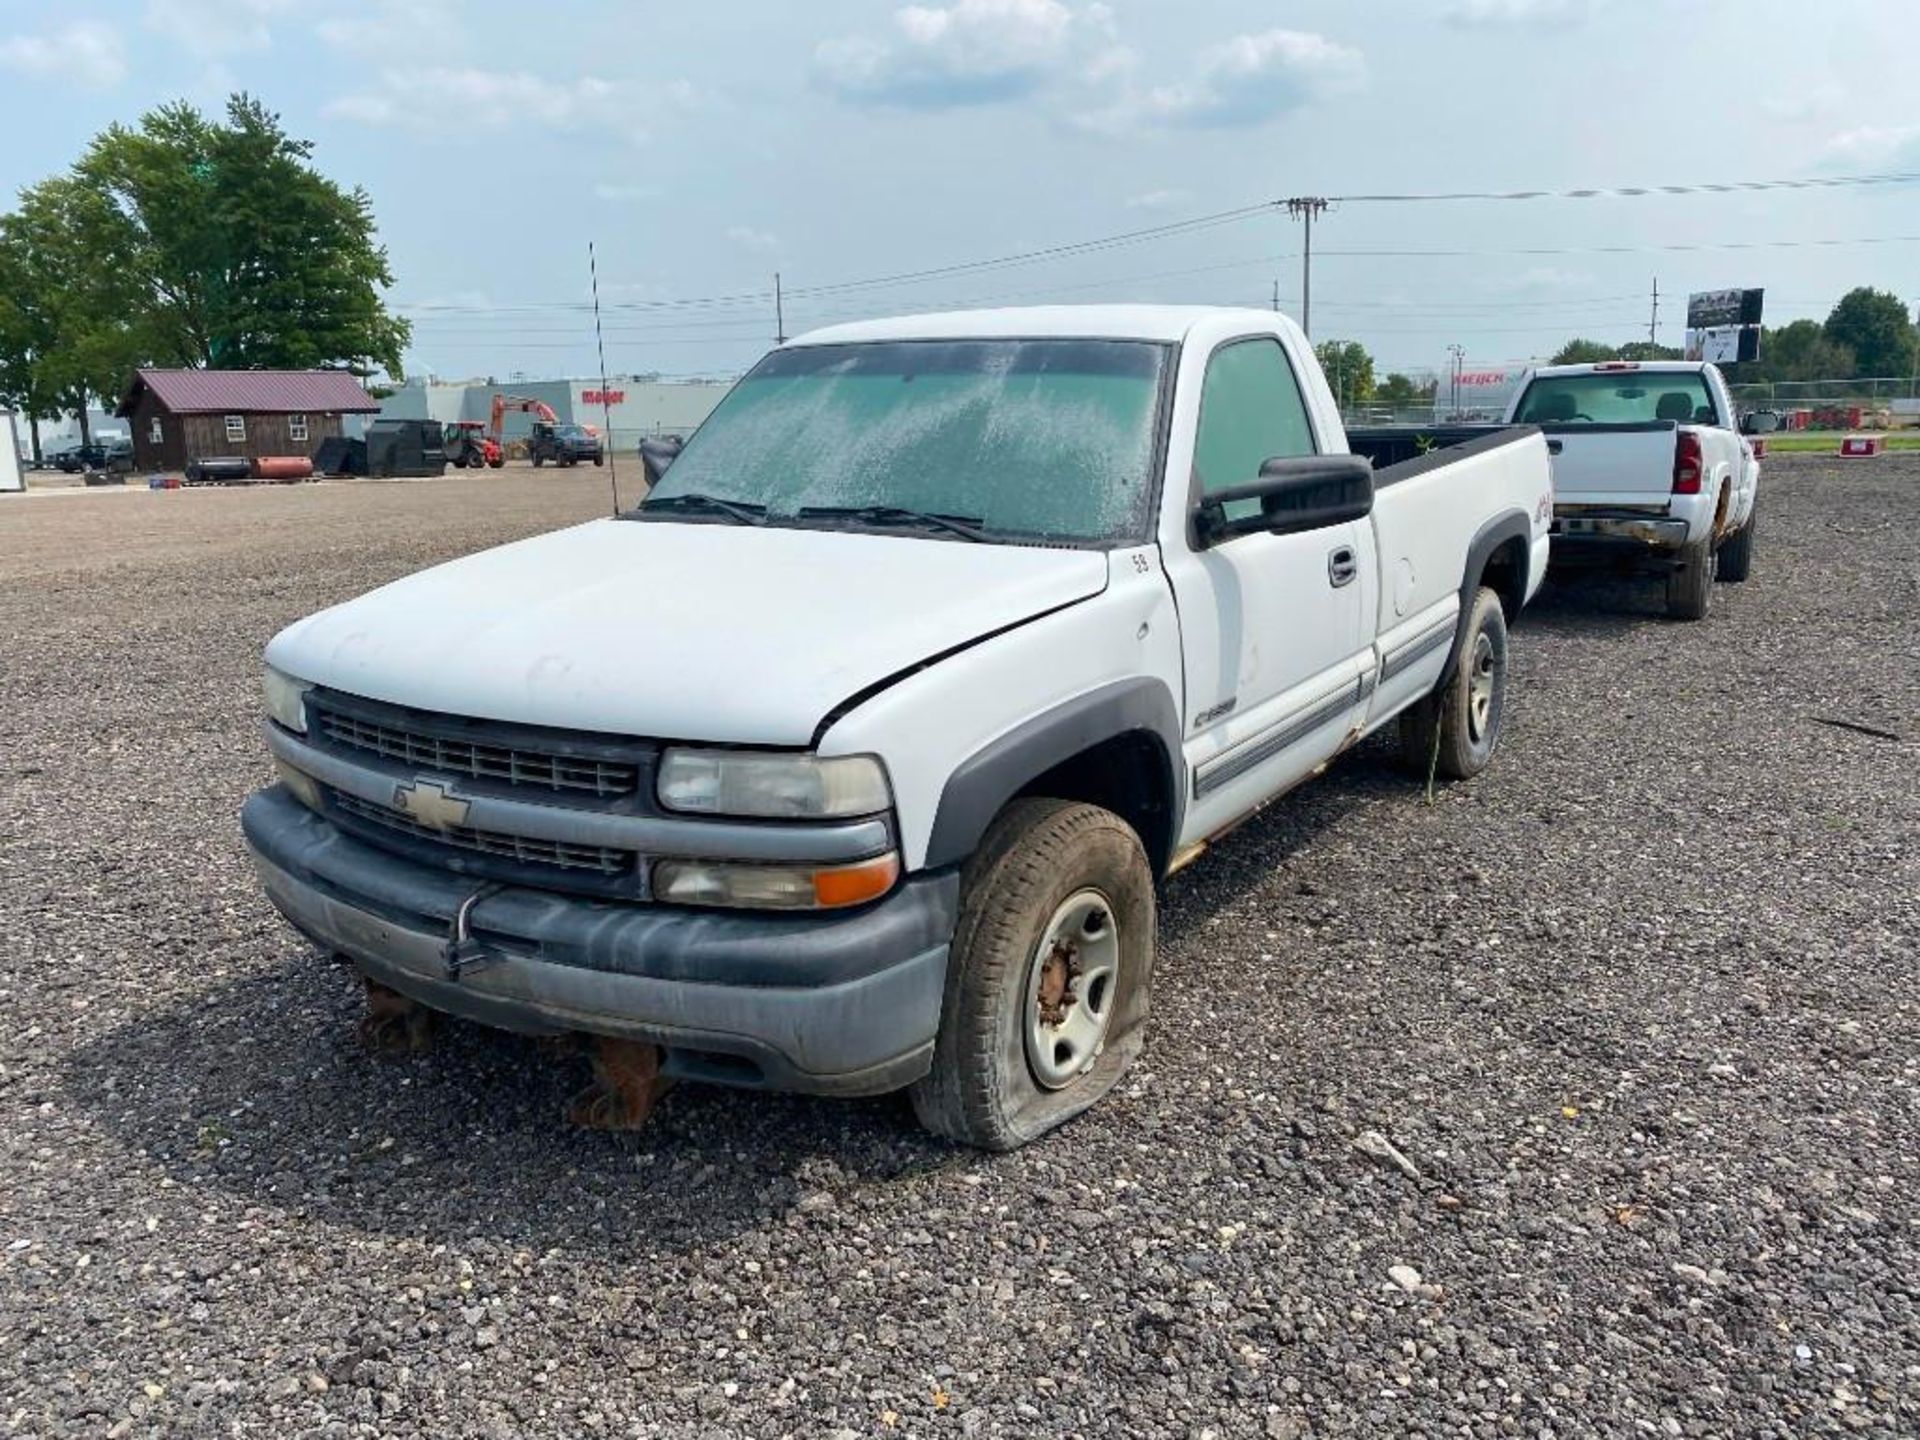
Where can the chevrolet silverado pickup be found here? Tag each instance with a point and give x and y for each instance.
(1649, 467)
(850, 758)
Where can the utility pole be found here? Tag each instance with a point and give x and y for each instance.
(1304, 208)
(1276, 296)
(1653, 320)
(1458, 354)
(779, 313)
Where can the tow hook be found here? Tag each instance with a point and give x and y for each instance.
(462, 952)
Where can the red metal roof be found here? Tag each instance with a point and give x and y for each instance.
(225, 392)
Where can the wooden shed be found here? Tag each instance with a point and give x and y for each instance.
(179, 416)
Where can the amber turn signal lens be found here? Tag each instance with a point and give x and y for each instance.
(855, 884)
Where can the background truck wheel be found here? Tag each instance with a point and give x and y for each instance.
(1690, 583)
(1465, 717)
(538, 460)
(1049, 976)
(1736, 556)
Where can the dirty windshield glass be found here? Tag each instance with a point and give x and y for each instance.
(1622, 397)
(1025, 439)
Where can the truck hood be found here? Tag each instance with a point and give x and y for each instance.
(724, 633)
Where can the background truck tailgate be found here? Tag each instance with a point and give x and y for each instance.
(1612, 464)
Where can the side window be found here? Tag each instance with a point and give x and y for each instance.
(1250, 411)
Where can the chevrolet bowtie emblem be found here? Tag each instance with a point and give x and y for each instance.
(431, 804)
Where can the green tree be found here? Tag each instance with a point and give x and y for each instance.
(1875, 326)
(68, 327)
(1349, 370)
(1583, 352)
(1803, 351)
(1646, 350)
(247, 256)
(1400, 391)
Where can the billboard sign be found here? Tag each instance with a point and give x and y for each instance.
(1713, 309)
(1722, 344)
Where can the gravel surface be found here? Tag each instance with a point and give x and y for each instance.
(1579, 1102)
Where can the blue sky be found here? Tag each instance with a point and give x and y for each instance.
(702, 147)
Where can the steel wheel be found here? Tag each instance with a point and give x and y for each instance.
(1070, 989)
(1480, 677)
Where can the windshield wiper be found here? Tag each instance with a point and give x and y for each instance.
(967, 527)
(741, 512)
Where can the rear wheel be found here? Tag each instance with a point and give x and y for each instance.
(1048, 979)
(1736, 556)
(1690, 583)
(1455, 731)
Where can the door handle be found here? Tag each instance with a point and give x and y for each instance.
(1554, 447)
(1342, 567)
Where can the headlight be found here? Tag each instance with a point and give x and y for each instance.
(286, 700)
(777, 787)
(773, 887)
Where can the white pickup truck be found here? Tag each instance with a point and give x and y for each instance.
(849, 760)
(1649, 467)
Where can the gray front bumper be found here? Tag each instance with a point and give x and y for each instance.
(839, 1004)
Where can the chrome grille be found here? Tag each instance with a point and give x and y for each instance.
(596, 859)
(509, 764)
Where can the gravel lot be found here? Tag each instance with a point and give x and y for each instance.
(1636, 1007)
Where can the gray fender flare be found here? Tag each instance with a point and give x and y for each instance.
(982, 784)
(1503, 528)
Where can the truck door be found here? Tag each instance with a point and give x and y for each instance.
(1271, 625)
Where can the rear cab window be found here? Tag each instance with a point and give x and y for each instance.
(1619, 397)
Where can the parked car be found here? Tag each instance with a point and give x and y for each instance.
(849, 760)
(105, 453)
(564, 444)
(1650, 468)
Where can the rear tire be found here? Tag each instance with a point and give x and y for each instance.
(1464, 718)
(1690, 583)
(1048, 978)
(1736, 556)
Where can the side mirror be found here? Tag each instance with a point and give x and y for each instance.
(1759, 422)
(1296, 493)
(657, 454)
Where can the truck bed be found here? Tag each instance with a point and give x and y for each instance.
(1399, 452)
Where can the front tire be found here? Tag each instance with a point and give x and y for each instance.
(1736, 556)
(1456, 731)
(1048, 978)
(1690, 583)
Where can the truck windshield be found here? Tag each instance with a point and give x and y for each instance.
(1030, 439)
(1618, 397)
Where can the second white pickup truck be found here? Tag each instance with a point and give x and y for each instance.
(850, 759)
(1649, 467)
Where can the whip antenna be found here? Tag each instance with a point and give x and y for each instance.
(606, 402)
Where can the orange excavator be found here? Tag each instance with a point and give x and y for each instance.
(550, 439)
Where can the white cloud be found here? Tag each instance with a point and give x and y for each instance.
(386, 27)
(86, 51)
(1158, 199)
(972, 52)
(749, 238)
(1537, 14)
(218, 27)
(1875, 146)
(1247, 80)
(449, 101)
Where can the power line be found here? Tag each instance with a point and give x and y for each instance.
(1635, 192)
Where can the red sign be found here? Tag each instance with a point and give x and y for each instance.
(603, 397)
(1860, 445)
